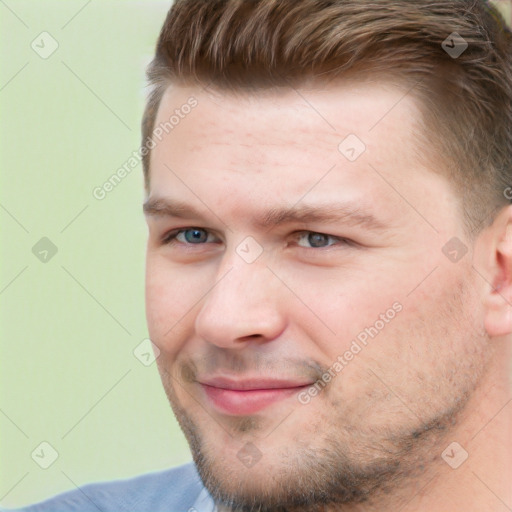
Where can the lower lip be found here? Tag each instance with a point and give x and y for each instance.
(240, 402)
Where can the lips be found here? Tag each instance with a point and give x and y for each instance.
(248, 396)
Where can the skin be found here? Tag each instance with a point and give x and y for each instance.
(437, 372)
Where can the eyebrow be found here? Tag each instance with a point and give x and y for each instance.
(346, 213)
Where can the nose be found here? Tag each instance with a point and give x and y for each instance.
(244, 305)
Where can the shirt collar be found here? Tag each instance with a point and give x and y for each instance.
(203, 503)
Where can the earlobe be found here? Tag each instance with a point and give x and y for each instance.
(498, 303)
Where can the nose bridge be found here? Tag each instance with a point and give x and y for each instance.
(242, 303)
(233, 282)
(241, 285)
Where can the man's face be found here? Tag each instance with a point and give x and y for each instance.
(299, 260)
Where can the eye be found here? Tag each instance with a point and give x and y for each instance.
(189, 236)
(311, 239)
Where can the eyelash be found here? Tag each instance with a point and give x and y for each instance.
(171, 238)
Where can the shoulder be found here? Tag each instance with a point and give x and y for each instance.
(172, 490)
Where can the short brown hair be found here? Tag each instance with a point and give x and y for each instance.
(238, 45)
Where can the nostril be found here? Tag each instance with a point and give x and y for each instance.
(252, 337)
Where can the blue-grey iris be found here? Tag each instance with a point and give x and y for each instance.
(195, 235)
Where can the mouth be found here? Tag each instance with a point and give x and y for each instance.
(248, 396)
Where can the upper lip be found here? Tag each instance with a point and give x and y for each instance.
(253, 383)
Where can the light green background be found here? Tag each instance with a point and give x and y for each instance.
(68, 123)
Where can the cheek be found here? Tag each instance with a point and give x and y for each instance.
(171, 296)
(431, 347)
(339, 308)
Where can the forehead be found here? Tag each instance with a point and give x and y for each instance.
(356, 139)
(321, 112)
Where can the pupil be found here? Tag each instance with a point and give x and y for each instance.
(195, 235)
(317, 239)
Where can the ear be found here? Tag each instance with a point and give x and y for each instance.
(496, 244)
